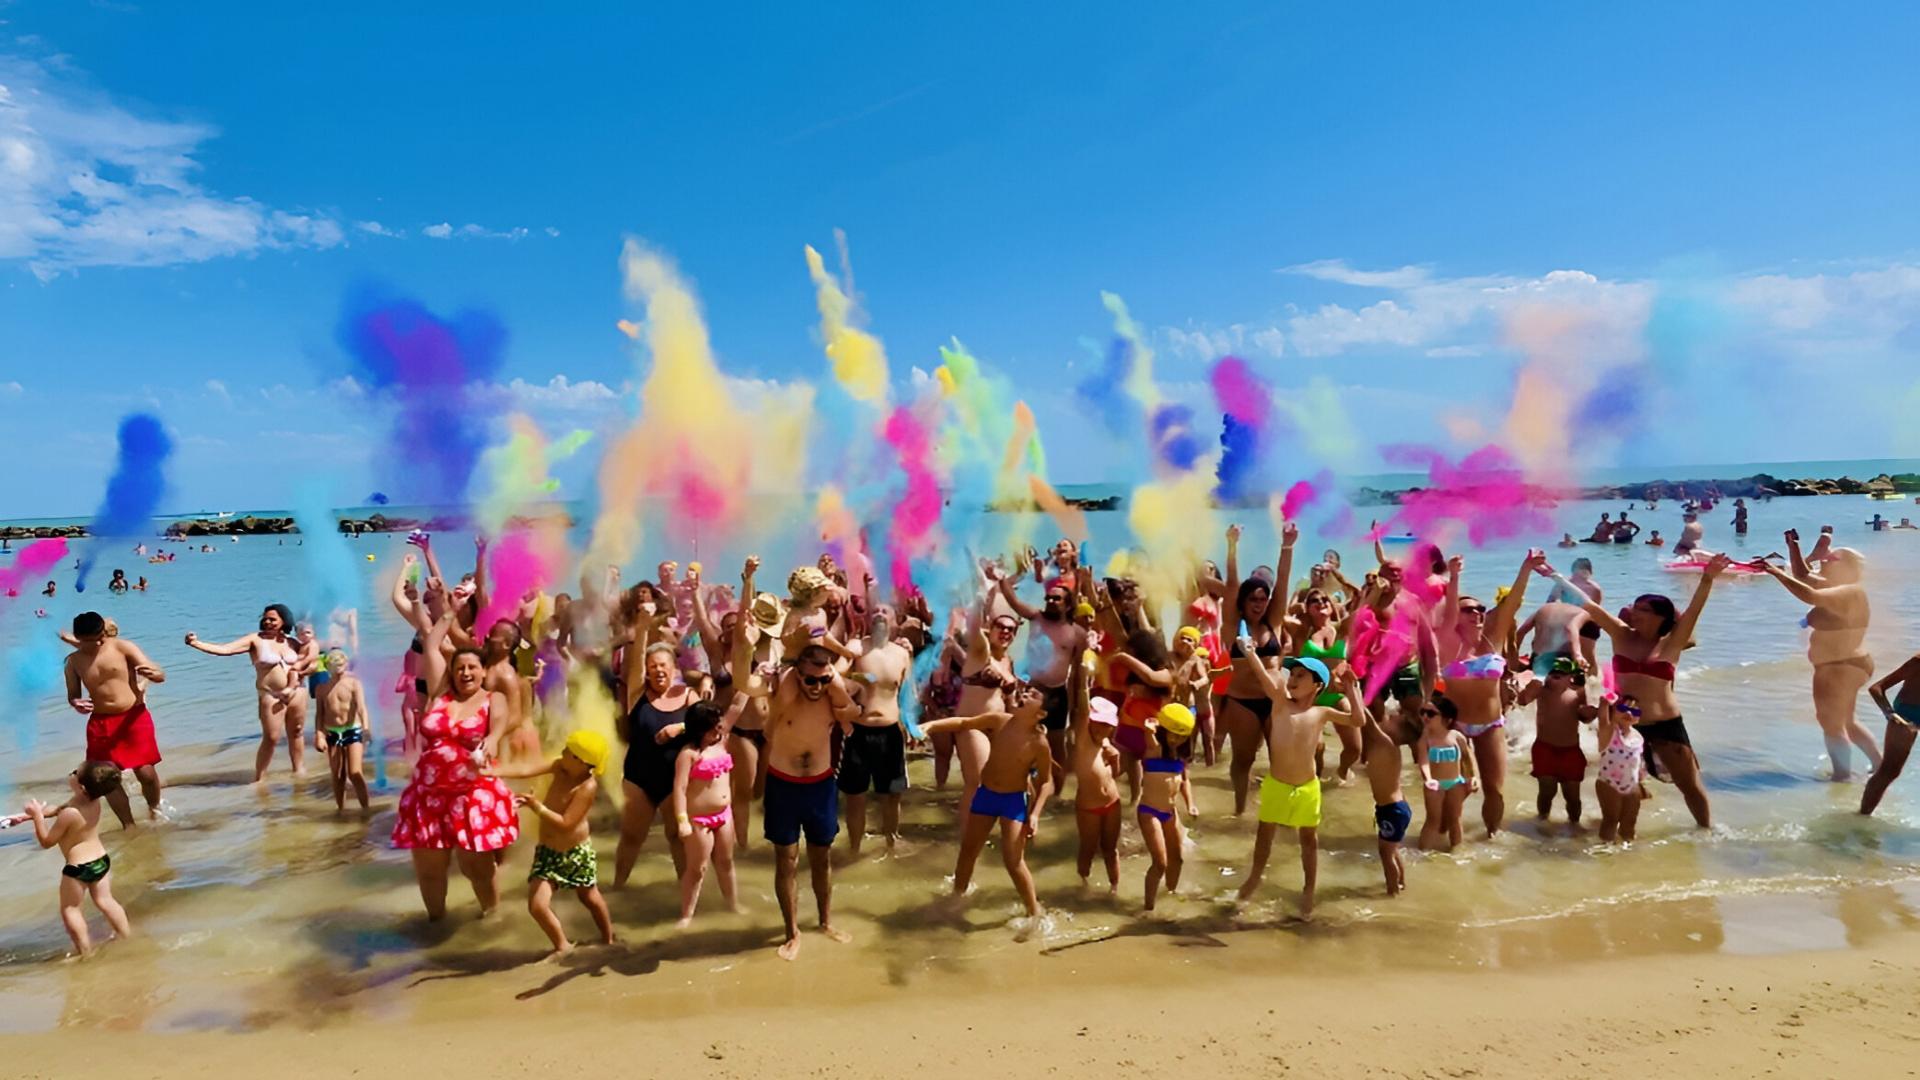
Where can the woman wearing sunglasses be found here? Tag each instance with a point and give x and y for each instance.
(1474, 647)
(1648, 638)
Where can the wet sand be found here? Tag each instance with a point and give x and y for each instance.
(1142, 1007)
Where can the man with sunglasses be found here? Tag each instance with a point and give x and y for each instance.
(800, 796)
(1053, 642)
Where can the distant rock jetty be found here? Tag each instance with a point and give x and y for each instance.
(1757, 486)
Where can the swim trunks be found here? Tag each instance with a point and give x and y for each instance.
(1011, 805)
(1295, 807)
(1053, 708)
(575, 868)
(794, 805)
(873, 758)
(1563, 763)
(1393, 820)
(344, 737)
(126, 739)
(87, 873)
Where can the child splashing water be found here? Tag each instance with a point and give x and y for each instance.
(75, 826)
(703, 805)
(1446, 769)
(565, 857)
(1164, 784)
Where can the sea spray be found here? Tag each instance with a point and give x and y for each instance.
(134, 490)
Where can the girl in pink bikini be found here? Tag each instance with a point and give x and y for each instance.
(703, 804)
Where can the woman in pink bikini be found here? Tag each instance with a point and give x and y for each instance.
(1473, 647)
(452, 811)
(703, 805)
(1648, 638)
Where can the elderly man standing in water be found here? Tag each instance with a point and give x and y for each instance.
(800, 794)
(1829, 581)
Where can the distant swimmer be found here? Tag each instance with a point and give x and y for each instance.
(1656, 540)
(1739, 517)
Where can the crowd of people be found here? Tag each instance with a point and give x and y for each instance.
(734, 715)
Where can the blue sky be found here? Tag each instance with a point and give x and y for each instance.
(1363, 193)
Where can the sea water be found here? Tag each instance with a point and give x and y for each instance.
(264, 908)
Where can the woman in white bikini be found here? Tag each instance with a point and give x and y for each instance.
(1473, 647)
(282, 696)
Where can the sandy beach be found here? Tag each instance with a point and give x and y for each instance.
(1804, 1014)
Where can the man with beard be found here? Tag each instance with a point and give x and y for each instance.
(1053, 644)
(800, 793)
(875, 755)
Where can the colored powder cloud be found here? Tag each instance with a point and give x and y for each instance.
(914, 528)
(517, 480)
(693, 444)
(31, 564)
(1485, 494)
(520, 562)
(333, 578)
(134, 490)
(427, 367)
(859, 360)
(1104, 395)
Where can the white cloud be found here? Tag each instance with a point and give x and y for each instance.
(11, 389)
(470, 231)
(85, 182)
(219, 390)
(551, 231)
(1873, 306)
(1337, 270)
(1202, 344)
(438, 232)
(374, 228)
(560, 392)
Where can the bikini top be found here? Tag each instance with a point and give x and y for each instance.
(1653, 669)
(711, 768)
(1270, 648)
(1486, 666)
(1440, 755)
(1314, 650)
(1164, 765)
(987, 679)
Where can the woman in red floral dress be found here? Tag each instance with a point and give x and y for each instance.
(451, 811)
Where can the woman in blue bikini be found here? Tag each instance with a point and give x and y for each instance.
(1473, 676)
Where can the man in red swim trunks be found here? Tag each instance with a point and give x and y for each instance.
(115, 673)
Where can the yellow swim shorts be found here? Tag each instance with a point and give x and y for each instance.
(1285, 804)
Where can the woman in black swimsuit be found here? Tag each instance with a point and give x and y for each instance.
(652, 734)
(1246, 709)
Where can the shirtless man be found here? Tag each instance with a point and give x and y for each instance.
(811, 700)
(1290, 793)
(1014, 786)
(1842, 666)
(1054, 643)
(1583, 588)
(874, 757)
(498, 651)
(114, 673)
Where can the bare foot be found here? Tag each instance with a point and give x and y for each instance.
(683, 923)
(790, 948)
(835, 934)
(555, 956)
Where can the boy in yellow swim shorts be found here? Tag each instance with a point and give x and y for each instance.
(1290, 792)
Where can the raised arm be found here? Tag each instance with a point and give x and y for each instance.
(1603, 618)
(1024, 610)
(1676, 642)
(480, 592)
(1269, 683)
(1355, 694)
(1796, 561)
(231, 648)
(1501, 621)
(1230, 600)
(433, 662)
(412, 612)
(1804, 591)
(1283, 578)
